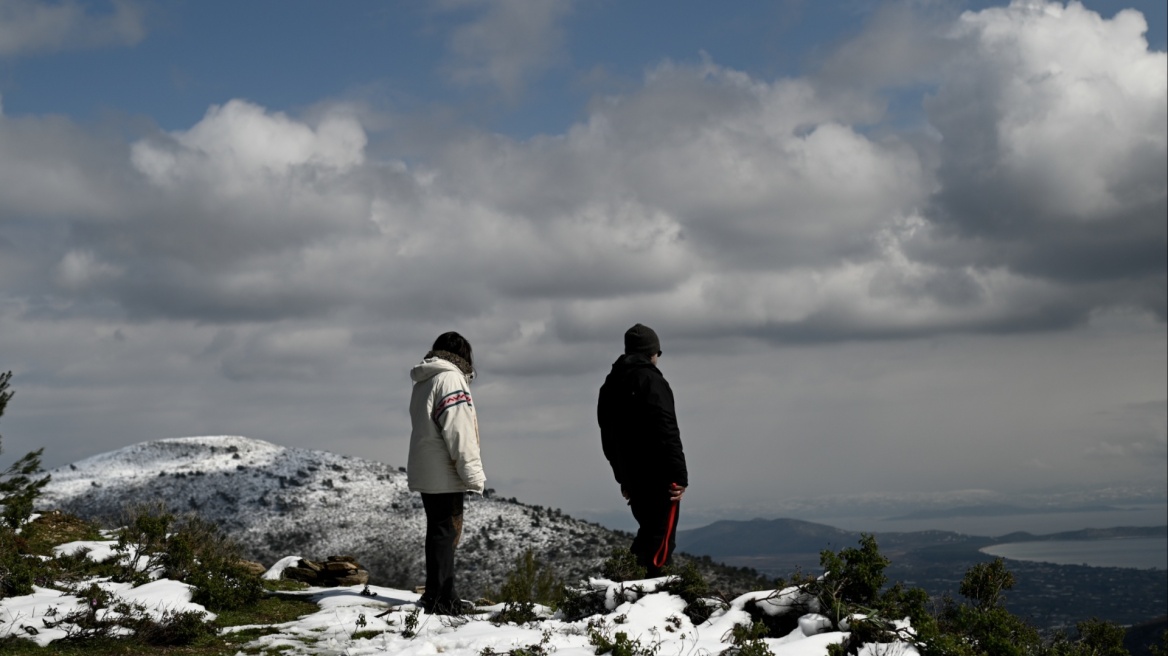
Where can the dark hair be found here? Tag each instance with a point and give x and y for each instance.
(452, 342)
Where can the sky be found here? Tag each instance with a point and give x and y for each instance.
(911, 248)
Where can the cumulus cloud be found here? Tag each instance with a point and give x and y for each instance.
(29, 26)
(244, 141)
(1053, 151)
(507, 44)
(721, 202)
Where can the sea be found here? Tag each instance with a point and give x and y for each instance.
(1139, 553)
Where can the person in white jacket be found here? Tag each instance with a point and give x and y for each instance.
(444, 460)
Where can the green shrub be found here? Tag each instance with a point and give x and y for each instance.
(1159, 650)
(187, 548)
(853, 577)
(410, 624)
(142, 540)
(984, 626)
(519, 612)
(578, 603)
(747, 640)
(196, 543)
(529, 583)
(533, 581)
(867, 630)
(225, 586)
(983, 583)
(622, 566)
(93, 619)
(103, 617)
(174, 629)
(899, 602)
(19, 488)
(688, 583)
(18, 572)
(619, 644)
(1096, 638)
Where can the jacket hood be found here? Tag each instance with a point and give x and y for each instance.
(431, 367)
(630, 361)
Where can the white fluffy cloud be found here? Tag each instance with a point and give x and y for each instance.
(1053, 151)
(762, 208)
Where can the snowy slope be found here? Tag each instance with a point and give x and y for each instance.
(277, 501)
(383, 621)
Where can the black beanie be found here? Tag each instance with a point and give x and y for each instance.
(641, 339)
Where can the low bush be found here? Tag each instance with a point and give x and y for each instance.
(173, 629)
(747, 640)
(622, 566)
(852, 578)
(687, 582)
(529, 583)
(19, 486)
(618, 644)
(186, 548)
(852, 592)
(580, 602)
(18, 572)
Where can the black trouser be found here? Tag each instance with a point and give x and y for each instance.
(653, 511)
(443, 531)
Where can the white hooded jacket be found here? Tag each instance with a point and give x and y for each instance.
(444, 443)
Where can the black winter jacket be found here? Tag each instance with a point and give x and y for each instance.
(638, 426)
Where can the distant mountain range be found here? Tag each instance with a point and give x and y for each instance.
(771, 537)
(969, 503)
(998, 510)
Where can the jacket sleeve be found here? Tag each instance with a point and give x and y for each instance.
(665, 421)
(454, 413)
(608, 439)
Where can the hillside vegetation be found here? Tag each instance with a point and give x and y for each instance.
(276, 501)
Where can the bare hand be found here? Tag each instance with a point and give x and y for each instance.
(624, 493)
(675, 492)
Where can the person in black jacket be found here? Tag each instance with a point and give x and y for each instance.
(641, 440)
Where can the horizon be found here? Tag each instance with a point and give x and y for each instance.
(898, 249)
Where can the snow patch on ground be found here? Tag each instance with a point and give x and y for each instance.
(359, 621)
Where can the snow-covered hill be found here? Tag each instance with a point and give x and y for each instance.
(277, 501)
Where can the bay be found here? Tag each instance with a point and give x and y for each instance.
(1139, 553)
(1037, 523)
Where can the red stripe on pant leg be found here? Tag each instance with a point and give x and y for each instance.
(662, 554)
